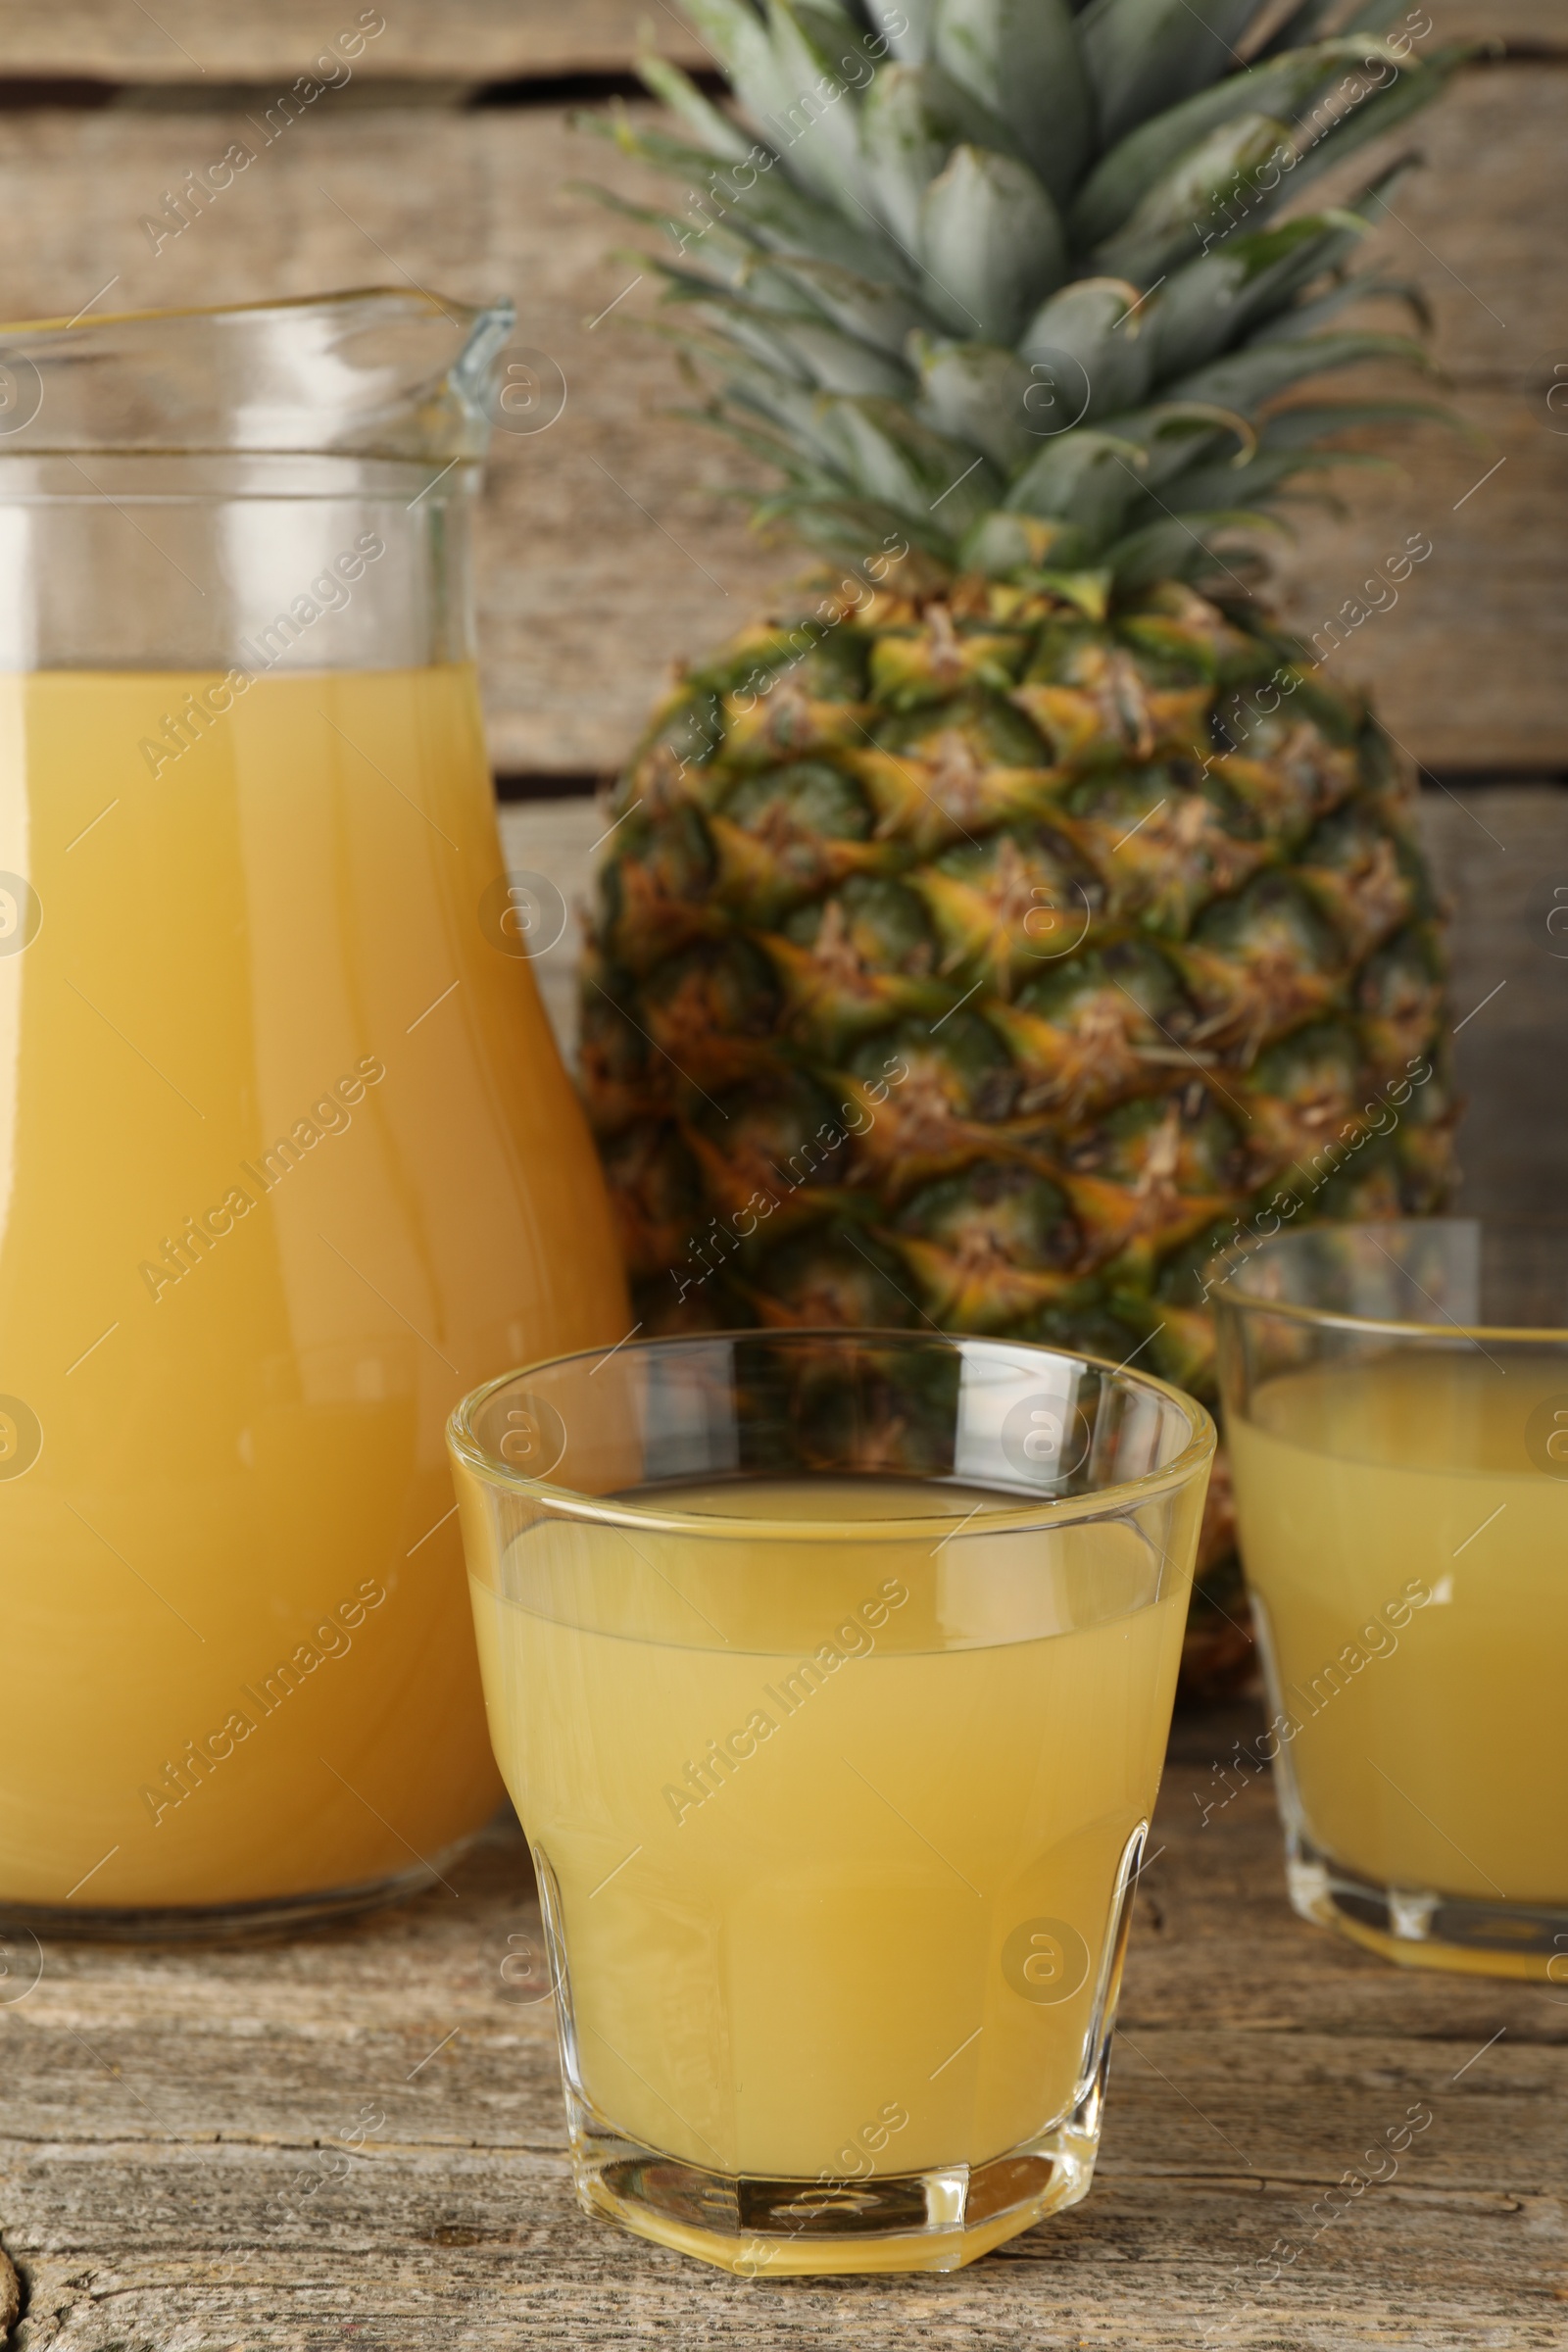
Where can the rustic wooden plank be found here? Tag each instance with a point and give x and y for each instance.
(557, 839)
(1536, 24)
(1465, 665)
(158, 2103)
(1469, 228)
(1503, 857)
(608, 546)
(465, 40)
(462, 40)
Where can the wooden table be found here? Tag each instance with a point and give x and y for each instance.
(175, 2177)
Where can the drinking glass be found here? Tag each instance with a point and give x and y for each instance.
(1396, 1410)
(831, 1675)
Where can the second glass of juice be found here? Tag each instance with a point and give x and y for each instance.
(831, 1676)
(1396, 1412)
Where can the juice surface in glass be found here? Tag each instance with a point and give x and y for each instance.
(832, 1847)
(287, 1157)
(1411, 1563)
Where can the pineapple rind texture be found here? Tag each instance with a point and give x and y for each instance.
(917, 995)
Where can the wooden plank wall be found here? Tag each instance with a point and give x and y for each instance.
(608, 546)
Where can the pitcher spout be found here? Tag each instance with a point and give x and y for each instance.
(379, 371)
(180, 488)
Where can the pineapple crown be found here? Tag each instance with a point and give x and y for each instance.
(1005, 279)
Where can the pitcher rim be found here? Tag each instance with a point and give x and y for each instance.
(459, 313)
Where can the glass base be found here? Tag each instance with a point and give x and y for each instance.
(1419, 1929)
(220, 1922)
(756, 2226)
(782, 2229)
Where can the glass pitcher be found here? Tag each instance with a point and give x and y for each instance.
(288, 1160)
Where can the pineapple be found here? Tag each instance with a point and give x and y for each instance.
(1015, 916)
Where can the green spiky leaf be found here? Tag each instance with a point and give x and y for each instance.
(991, 244)
(1022, 59)
(1284, 89)
(1013, 258)
(1144, 55)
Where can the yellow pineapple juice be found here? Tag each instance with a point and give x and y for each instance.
(832, 1827)
(1412, 1565)
(266, 1211)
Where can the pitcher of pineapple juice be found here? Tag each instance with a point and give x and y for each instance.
(288, 1160)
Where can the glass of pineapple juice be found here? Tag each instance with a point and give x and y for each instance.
(831, 1675)
(1396, 1411)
